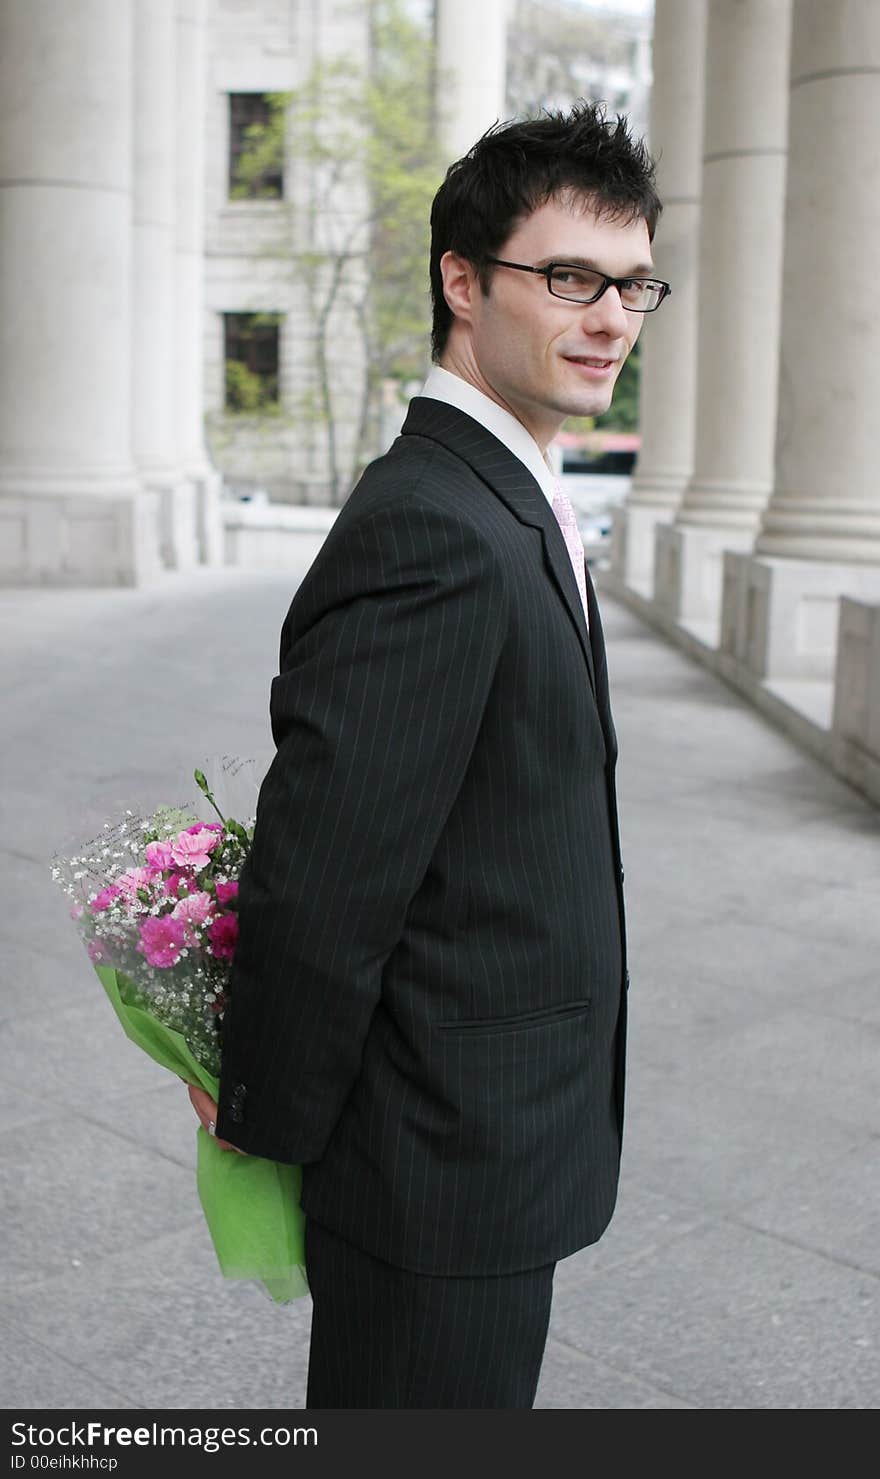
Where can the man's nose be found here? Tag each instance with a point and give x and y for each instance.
(607, 315)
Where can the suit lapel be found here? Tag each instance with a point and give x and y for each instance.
(600, 666)
(512, 482)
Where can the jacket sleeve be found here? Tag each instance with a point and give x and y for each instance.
(389, 653)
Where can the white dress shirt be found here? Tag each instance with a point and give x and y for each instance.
(442, 385)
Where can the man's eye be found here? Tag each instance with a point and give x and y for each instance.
(571, 277)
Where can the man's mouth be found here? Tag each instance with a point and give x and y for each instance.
(591, 363)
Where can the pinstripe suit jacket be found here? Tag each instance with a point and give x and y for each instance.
(429, 993)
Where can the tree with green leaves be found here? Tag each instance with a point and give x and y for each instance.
(623, 413)
(361, 135)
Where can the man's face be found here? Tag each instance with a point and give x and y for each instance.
(540, 357)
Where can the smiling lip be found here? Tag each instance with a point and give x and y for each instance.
(591, 364)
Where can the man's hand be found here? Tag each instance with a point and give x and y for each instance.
(206, 1109)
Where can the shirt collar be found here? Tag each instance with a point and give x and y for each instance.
(442, 385)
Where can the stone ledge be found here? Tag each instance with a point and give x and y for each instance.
(801, 708)
(300, 517)
(274, 536)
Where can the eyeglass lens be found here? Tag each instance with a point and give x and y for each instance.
(580, 284)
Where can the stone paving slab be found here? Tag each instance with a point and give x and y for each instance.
(571, 1379)
(79, 1055)
(34, 976)
(800, 1053)
(159, 1118)
(157, 1322)
(73, 1194)
(33, 1377)
(18, 1107)
(644, 1221)
(734, 1318)
(835, 1211)
(731, 1147)
(762, 957)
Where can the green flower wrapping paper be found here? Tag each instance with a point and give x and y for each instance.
(251, 1205)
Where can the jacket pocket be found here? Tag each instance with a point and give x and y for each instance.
(520, 1019)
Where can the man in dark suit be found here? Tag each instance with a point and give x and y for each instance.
(429, 993)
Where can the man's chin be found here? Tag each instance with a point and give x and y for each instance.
(594, 405)
(586, 400)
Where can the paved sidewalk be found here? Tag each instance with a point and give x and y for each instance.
(742, 1267)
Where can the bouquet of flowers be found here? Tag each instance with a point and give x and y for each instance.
(155, 900)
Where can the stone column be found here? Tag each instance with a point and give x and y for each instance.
(739, 297)
(189, 72)
(668, 381)
(71, 509)
(820, 533)
(153, 388)
(471, 44)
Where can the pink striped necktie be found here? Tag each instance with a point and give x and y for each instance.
(567, 521)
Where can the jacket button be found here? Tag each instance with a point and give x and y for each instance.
(627, 980)
(236, 1115)
(622, 875)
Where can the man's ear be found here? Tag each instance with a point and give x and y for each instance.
(460, 284)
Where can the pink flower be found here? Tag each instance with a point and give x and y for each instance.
(98, 952)
(205, 827)
(77, 911)
(197, 908)
(158, 854)
(192, 849)
(226, 892)
(173, 882)
(104, 899)
(223, 935)
(162, 940)
(135, 878)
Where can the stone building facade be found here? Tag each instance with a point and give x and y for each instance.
(255, 248)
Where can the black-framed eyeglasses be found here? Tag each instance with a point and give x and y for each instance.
(583, 285)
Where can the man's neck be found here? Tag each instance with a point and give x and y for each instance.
(455, 390)
(466, 368)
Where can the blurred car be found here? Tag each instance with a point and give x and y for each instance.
(596, 468)
(611, 462)
(239, 491)
(595, 531)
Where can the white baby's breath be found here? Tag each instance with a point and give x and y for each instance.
(190, 994)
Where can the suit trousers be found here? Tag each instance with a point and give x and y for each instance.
(389, 1337)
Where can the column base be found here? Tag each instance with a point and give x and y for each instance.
(855, 728)
(688, 569)
(79, 540)
(209, 517)
(632, 543)
(780, 616)
(178, 545)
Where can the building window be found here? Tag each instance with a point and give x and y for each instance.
(251, 343)
(256, 145)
